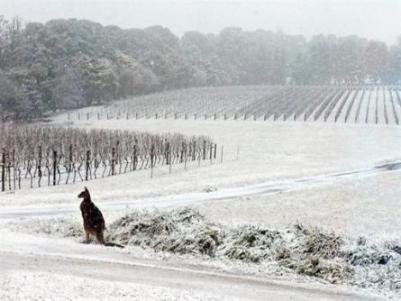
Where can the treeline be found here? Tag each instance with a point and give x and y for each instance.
(74, 63)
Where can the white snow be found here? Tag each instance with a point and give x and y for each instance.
(286, 173)
(381, 107)
(363, 113)
(352, 118)
(17, 285)
(347, 104)
(397, 106)
(372, 107)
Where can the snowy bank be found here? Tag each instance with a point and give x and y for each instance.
(301, 250)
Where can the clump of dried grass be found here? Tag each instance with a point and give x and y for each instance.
(304, 250)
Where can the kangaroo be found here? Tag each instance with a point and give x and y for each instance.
(94, 223)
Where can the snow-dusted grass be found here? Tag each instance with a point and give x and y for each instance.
(299, 249)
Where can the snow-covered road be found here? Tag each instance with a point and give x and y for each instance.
(26, 255)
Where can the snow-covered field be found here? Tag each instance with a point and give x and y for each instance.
(354, 104)
(339, 177)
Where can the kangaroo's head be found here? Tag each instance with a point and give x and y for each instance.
(84, 194)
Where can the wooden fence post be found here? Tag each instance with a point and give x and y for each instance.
(39, 164)
(194, 150)
(9, 170)
(135, 159)
(14, 170)
(152, 155)
(87, 163)
(183, 146)
(54, 167)
(222, 153)
(113, 160)
(152, 159)
(70, 159)
(3, 170)
(117, 154)
(204, 150)
(167, 153)
(185, 156)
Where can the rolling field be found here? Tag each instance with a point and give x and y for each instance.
(333, 104)
(337, 167)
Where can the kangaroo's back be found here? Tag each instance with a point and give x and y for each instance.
(94, 223)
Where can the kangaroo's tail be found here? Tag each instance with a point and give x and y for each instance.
(112, 244)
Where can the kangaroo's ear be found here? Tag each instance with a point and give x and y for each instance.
(86, 189)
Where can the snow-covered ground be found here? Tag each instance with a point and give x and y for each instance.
(325, 175)
(276, 150)
(78, 272)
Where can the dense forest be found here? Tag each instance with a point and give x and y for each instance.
(73, 63)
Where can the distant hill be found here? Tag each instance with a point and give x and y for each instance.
(76, 63)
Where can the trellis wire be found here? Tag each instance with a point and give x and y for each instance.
(64, 155)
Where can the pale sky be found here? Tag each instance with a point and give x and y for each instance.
(376, 19)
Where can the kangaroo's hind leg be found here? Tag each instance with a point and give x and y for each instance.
(87, 237)
(100, 237)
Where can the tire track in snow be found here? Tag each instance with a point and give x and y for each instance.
(199, 197)
(179, 276)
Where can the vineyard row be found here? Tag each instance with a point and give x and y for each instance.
(345, 104)
(52, 156)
